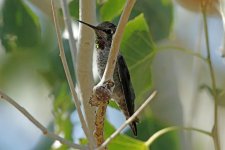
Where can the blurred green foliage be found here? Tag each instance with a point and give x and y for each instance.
(74, 8)
(29, 40)
(63, 107)
(150, 125)
(21, 26)
(158, 15)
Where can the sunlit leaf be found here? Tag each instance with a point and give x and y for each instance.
(137, 48)
(122, 142)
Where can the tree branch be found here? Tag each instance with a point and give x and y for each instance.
(84, 61)
(38, 124)
(127, 121)
(68, 76)
(99, 122)
(102, 92)
(110, 66)
(67, 21)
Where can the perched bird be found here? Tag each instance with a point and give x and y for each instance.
(123, 92)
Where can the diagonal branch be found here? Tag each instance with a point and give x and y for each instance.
(127, 121)
(110, 66)
(105, 86)
(38, 124)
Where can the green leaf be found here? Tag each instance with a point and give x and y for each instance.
(138, 49)
(63, 107)
(113, 104)
(74, 8)
(158, 14)
(83, 141)
(21, 27)
(63, 102)
(111, 9)
(122, 142)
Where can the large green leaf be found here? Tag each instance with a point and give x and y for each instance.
(122, 142)
(111, 9)
(20, 26)
(158, 14)
(137, 48)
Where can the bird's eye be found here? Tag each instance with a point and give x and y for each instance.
(109, 31)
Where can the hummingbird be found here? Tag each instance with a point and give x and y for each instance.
(123, 92)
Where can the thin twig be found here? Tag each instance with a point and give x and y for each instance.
(38, 124)
(169, 129)
(68, 23)
(215, 129)
(127, 121)
(110, 66)
(68, 76)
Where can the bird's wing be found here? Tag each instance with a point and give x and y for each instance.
(126, 83)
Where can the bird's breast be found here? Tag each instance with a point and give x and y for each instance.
(102, 57)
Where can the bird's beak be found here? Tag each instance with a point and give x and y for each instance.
(89, 25)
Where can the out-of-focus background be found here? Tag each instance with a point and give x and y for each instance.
(159, 45)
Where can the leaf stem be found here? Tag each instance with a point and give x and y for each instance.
(215, 132)
(161, 132)
(181, 49)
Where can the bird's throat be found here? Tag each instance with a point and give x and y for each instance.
(100, 44)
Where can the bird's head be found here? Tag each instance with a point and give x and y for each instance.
(103, 31)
